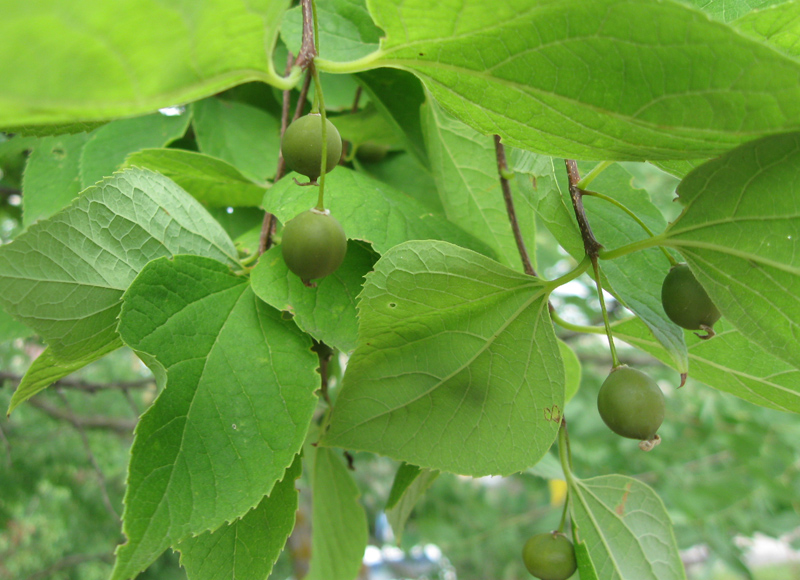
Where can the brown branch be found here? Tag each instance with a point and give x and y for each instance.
(502, 170)
(356, 99)
(307, 49)
(69, 562)
(101, 479)
(82, 385)
(121, 426)
(301, 100)
(590, 243)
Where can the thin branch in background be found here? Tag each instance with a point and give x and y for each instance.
(590, 243)
(82, 385)
(7, 444)
(502, 169)
(101, 479)
(356, 99)
(121, 426)
(70, 562)
(301, 100)
(134, 407)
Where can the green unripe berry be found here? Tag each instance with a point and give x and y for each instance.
(686, 302)
(302, 146)
(550, 556)
(313, 244)
(631, 404)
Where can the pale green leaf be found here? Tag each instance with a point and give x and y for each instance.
(367, 125)
(626, 529)
(212, 182)
(53, 130)
(593, 79)
(636, 278)
(93, 59)
(678, 168)
(247, 548)
(457, 367)
(235, 412)
(52, 176)
(410, 484)
(47, 369)
(369, 210)
(107, 147)
(346, 30)
(328, 311)
(586, 569)
(728, 362)
(402, 171)
(464, 166)
(64, 276)
(548, 468)
(398, 96)
(740, 234)
(778, 25)
(339, 523)
(572, 370)
(246, 137)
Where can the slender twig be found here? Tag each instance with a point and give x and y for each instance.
(604, 311)
(502, 169)
(356, 99)
(121, 426)
(101, 479)
(69, 562)
(7, 444)
(590, 243)
(82, 385)
(134, 407)
(308, 49)
(268, 225)
(301, 100)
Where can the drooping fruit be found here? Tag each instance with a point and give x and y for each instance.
(631, 404)
(686, 302)
(313, 244)
(549, 556)
(302, 146)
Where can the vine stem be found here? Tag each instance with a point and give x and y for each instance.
(502, 170)
(564, 451)
(636, 218)
(631, 248)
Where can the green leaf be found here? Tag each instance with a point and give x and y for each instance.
(47, 369)
(246, 137)
(464, 165)
(457, 367)
(626, 528)
(94, 60)
(238, 403)
(346, 30)
(410, 484)
(549, 467)
(52, 176)
(53, 130)
(586, 569)
(328, 311)
(369, 210)
(572, 370)
(538, 178)
(106, 149)
(402, 171)
(740, 234)
(593, 79)
(678, 168)
(778, 26)
(212, 182)
(635, 278)
(64, 276)
(729, 362)
(339, 523)
(247, 548)
(398, 96)
(367, 125)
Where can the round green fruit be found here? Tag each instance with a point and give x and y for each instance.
(686, 302)
(631, 404)
(313, 244)
(302, 146)
(549, 556)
